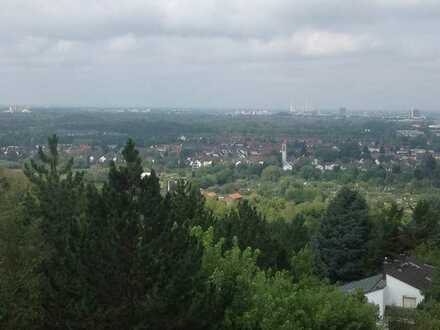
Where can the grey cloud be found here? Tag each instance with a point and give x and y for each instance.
(230, 18)
(220, 52)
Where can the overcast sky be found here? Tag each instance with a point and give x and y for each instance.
(374, 54)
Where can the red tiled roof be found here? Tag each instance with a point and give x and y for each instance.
(235, 196)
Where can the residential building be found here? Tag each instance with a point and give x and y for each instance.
(402, 284)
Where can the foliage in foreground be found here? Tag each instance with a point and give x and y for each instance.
(124, 256)
(267, 300)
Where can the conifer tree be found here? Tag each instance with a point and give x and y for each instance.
(144, 266)
(116, 234)
(20, 259)
(342, 241)
(55, 205)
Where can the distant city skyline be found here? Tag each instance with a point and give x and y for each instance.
(341, 111)
(362, 55)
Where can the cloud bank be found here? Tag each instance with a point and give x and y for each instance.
(221, 53)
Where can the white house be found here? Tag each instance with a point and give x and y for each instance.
(401, 284)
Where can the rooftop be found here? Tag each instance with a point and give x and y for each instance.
(411, 271)
(369, 284)
(406, 269)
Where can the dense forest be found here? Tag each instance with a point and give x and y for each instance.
(123, 255)
(163, 126)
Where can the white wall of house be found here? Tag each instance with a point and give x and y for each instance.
(377, 298)
(396, 290)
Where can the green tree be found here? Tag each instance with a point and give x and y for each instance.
(303, 264)
(366, 154)
(392, 230)
(425, 224)
(20, 259)
(342, 241)
(271, 173)
(253, 299)
(429, 164)
(250, 229)
(350, 150)
(428, 317)
(289, 238)
(387, 235)
(309, 172)
(142, 264)
(55, 206)
(327, 154)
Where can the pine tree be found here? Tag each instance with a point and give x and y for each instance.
(20, 260)
(342, 240)
(143, 265)
(117, 229)
(55, 206)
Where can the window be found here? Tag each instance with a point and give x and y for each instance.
(409, 302)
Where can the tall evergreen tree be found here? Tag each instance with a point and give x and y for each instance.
(20, 259)
(342, 241)
(143, 265)
(55, 206)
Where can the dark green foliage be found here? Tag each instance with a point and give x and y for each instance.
(327, 154)
(342, 241)
(350, 150)
(366, 154)
(425, 317)
(396, 169)
(387, 237)
(122, 256)
(418, 173)
(255, 299)
(118, 257)
(20, 258)
(429, 164)
(251, 230)
(271, 173)
(276, 241)
(149, 265)
(55, 206)
(428, 317)
(428, 314)
(425, 224)
(392, 229)
(289, 238)
(303, 264)
(428, 169)
(309, 172)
